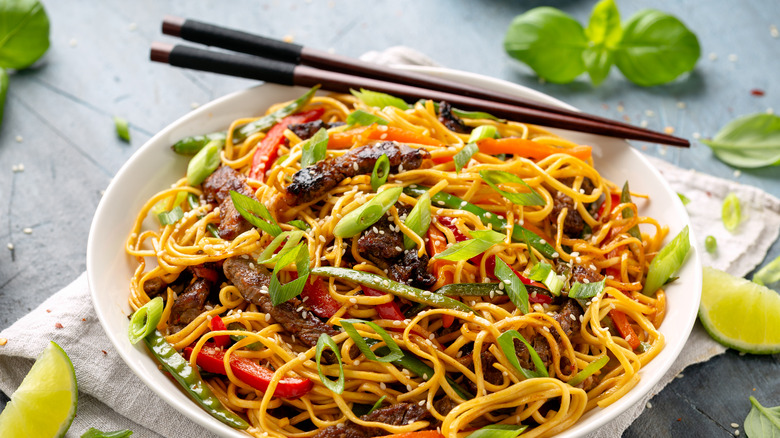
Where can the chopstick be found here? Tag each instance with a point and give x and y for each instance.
(290, 68)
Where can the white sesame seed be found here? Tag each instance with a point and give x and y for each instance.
(422, 402)
(73, 42)
(643, 123)
(355, 166)
(488, 215)
(382, 385)
(409, 388)
(736, 433)
(574, 254)
(267, 317)
(301, 357)
(300, 309)
(733, 57)
(542, 241)
(440, 202)
(398, 248)
(573, 318)
(649, 405)
(27, 231)
(501, 285)
(585, 280)
(356, 363)
(19, 139)
(734, 425)
(431, 336)
(737, 173)
(713, 56)
(353, 300)
(681, 105)
(555, 255)
(10, 246)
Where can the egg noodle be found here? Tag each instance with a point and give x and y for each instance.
(548, 405)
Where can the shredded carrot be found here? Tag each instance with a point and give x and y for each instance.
(344, 140)
(625, 329)
(529, 148)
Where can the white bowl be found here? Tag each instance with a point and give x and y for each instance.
(154, 167)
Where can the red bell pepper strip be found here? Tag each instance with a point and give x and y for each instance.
(255, 375)
(529, 148)
(202, 271)
(602, 214)
(625, 329)
(216, 324)
(266, 151)
(317, 298)
(386, 310)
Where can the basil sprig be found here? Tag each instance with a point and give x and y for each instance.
(751, 141)
(762, 421)
(651, 48)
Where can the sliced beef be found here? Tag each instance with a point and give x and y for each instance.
(305, 131)
(381, 244)
(573, 224)
(154, 286)
(444, 405)
(582, 274)
(568, 317)
(449, 120)
(542, 348)
(253, 286)
(492, 374)
(216, 189)
(191, 302)
(395, 415)
(412, 270)
(315, 181)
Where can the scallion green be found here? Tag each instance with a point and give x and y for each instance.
(367, 214)
(379, 100)
(507, 344)
(268, 256)
(464, 155)
(362, 118)
(625, 197)
(588, 371)
(545, 273)
(586, 290)
(683, 198)
(255, 212)
(395, 350)
(419, 219)
(481, 241)
(326, 341)
(769, 274)
(299, 224)
(499, 431)
(731, 213)
(377, 405)
(495, 177)
(380, 173)
(515, 288)
(170, 217)
(667, 262)
(483, 131)
(204, 163)
(145, 320)
(279, 292)
(314, 149)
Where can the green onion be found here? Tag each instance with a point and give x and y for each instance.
(280, 293)
(398, 289)
(362, 118)
(683, 198)
(255, 212)
(419, 219)
(299, 224)
(710, 244)
(171, 217)
(254, 346)
(379, 100)
(191, 145)
(97, 433)
(499, 431)
(731, 213)
(486, 217)
(122, 128)
(515, 288)
(204, 163)
(367, 214)
(483, 131)
(268, 256)
(193, 201)
(507, 345)
(495, 177)
(326, 341)
(481, 242)
(667, 262)
(625, 197)
(144, 321)
(380, 173)
(589, 370)
(377, 404)
(768, 274)
(546, 274)
(395, 350)
(314, 149)
(464, 155)
(586, 290)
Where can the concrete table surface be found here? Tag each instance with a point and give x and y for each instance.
(58, 125)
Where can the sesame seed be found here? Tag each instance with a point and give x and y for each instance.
(734, 425)
(431, 336)
(578, 259)
(27, 231)
(649, 405)
(409, 388)
(643, 123)
(353, 300)
(573, 318)
(737, 173)
(396, 322)
(355, 166)
(300, 309)
(555, 255)
(19, 139)
(422, 402)
(382, 385)
(696, 135)
(713, 56)
(301, 357)
(440, 202)
(356, 363)
(585, 280)
(574, 254)
(464, 203)
(681, 105)
(736, 433)
(733, 57)
(488, 215)
(679, 376)
(501, 285)
(542, 241)
(304, 314)
(398, 248)
(267, 317)
(322, 238)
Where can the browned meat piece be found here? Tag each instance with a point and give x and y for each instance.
(583, 274)
(154, 286)
(380, 244)
(412, 270)
(216, 189)
(305, 131)
(315, 181)
(492, 374)
(568, 317)
(542, 348)
(573, 224)
(253, 286)
(191, 303)
(395, 415)
(449, 120)
(444, 405)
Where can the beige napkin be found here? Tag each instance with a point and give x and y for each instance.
(111, 397)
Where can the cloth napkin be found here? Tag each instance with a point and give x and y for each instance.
(111, 397)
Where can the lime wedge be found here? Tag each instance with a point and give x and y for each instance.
(45, 403)
(740, 314)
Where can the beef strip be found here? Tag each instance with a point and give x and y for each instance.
(583, 274)
(190, 304)
(564, 317)
(542, 348)
(492, 374)
(314, 181)
(449, 120)
(252, 284)
(154, 286)
(395, 415)
(412, 270)
(216, 189)
(444, 405)
(305, 131)
(573, 224)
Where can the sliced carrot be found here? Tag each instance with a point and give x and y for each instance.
(625, 329)
(529, 148)
(344, 140)
(419, 434)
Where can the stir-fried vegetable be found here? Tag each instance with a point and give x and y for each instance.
(256, 213)
(204, 163)
(326, 341)
(514, 287)
(395, 350)
(495, 177)
(144, 321)
(419, 219)
(362, 118)
(588, 371)
(367, 214)
(481, 242)
(380, 173)
(314, 149)
(667, 262)
(507, 344)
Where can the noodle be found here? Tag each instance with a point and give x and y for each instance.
(465, 355)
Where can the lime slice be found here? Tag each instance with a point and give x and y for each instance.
(45, 403)
(740, 314)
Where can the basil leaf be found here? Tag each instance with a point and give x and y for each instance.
(315, 148)
(122, 128)
(96, 433)
(464, 155)
(586, 290)
(360, 117)
(24, 33)
(419, 219)
(481, 242)
(499, 431)
(380, 100)
(279, 292)
(656, 48)
(3, 92)
(380, 173)
(515, 288)
(549, 41)
(255, 212)
(507, 344)
(762, 421)
(326, 341)
(598, 61)
(604, 32)
(170, 217)
(749, 142)
(495, 177)
(299, 224)
(395, 350)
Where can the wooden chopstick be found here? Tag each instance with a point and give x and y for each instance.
(288, 73)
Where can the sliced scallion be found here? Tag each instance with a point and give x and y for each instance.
(362, 118)
(464, 155)
(731, 213)
(515, 288)
(326, 341)
(204, 163)
(170, 217)
(683, 198)
(380, 173)
(545, 273)
(299, 224)
(586, 290)
(625, 197)
(314, 149)
(268, 256)
(481, 241)
(379, 100)
(667, 262)
(256, 213)
(475, 115)
(144, 321)
(193, 202)
(495, 177)
(419, 219)
(377, 404)
(367, 214)
(588, 371)
(279, 292)
(769, 274)
(122, 128)
(395, 350)
(483, 131)
(507, 344)
(499, 431)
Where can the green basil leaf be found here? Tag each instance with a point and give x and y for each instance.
(667, 262)
(586, 290)
(604, 25)
(769, 274)
(326, 341)
(170, 217)
(549, 41)
(380, 173)
(731, 212)
(255, 212)
(464, 155)
(279, 292)
(419, 219)
(379, 100)
(749, 142)
(507, 345)
(656, 48)
(588, 371)
(481, 242)
(499, 431)
(598, 61)
(24, 33)
(96, 433)
(299, 224)
(495, 177)
(762, 421)
(515, 288)
(395, 350)
(315, 148)
(362, 118)
(3, 92)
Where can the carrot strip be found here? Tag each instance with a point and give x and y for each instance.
(625, 329)
(344, 140)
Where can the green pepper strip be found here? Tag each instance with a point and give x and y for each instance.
(486, 217)
(480, 289)
(398, 289)
(181, 370)
(192, 200)
(191, 145)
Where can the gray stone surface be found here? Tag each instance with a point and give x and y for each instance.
(98, 67)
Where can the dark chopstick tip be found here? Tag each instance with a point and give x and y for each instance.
(172, 25)
(160, 52)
